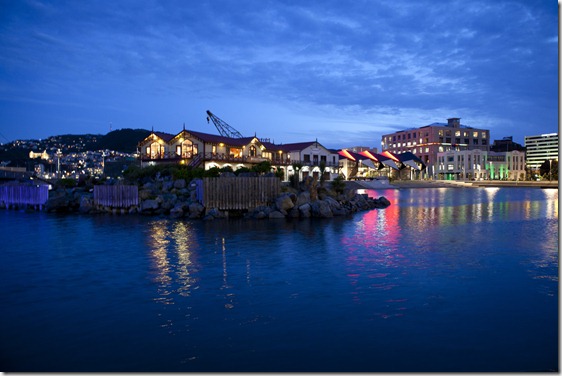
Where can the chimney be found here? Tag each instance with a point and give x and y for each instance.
(454, 122)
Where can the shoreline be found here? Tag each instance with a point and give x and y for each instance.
(401, 184)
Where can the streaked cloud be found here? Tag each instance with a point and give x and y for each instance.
(323, 67)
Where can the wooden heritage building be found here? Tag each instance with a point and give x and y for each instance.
(205, 150)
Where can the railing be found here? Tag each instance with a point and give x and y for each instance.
(220, 157)
(117, 196)
(24, 194)
(239, 193)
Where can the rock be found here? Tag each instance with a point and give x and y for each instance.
(167, 186)
(176, 212)
(196, 210)
(294, 212)
(179, 184)
(321, 208)
(216, 213)
(86, 204)
(284, 202)
(334, 204)
(276, 215)
(383, 201)
(148, 205)
(260, 215)
(303, 198)
(145, 194)
(305, 210)
(57, 203)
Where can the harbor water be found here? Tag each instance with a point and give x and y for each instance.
(444, 279)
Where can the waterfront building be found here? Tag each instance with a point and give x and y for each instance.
(541, 148)
(205, 150)
(427, 141)
(481, 165)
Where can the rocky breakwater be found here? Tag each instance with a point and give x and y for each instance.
(309, 200)
(178, 199)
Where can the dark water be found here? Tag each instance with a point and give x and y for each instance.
(442, 280)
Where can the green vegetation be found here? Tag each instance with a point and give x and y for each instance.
(548, 168)
(338, 184)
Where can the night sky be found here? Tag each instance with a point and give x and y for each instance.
(342, 72)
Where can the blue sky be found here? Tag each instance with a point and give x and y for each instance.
(342, 72)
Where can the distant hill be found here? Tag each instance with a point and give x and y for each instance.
(124, 140)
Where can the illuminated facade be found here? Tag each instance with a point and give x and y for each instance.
(426, 142)
(481, 165)
(541, 148)
(205, 150)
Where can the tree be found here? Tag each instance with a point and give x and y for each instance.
(295, 178)
(262, 167)
(338, 184)
(549, 170)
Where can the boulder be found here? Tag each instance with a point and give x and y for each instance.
(148, 205)
(303, 198)
(179, 184)
(86, 204)
(321, 208)
(284, 202)
(276, 215)
(176, 211)
(305, 210)
(196, 210)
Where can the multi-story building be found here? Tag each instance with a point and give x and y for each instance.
(507, 165)
(480, 165)
(426, 142)
(541, 148)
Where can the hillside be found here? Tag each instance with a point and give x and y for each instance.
(124, 140)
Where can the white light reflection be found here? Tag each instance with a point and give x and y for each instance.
(172, 254)
(551, 202)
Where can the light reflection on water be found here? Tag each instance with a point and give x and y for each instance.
(441, 280)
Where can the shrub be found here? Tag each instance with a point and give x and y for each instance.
(338, 184)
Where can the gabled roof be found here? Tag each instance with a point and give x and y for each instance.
(166, 137)
(216, 139)
(287, 148)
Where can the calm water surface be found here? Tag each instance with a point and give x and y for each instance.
(442, 280)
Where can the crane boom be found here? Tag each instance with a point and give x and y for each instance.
(223, 128)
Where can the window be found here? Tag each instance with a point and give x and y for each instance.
(306, 157)
(457, 133)
(475, 134)
(409, 135)
(441, 132)
(483, 134)
(448, 140)
(414, 135)
(466, 141)
(178, 149)
(457, 140)
(475, 141)
(447, 133)
(323, 158)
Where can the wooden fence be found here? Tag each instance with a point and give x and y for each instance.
(117, 196)
(235, 193)
(24, 194)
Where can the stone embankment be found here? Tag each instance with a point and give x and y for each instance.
(178, 199)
